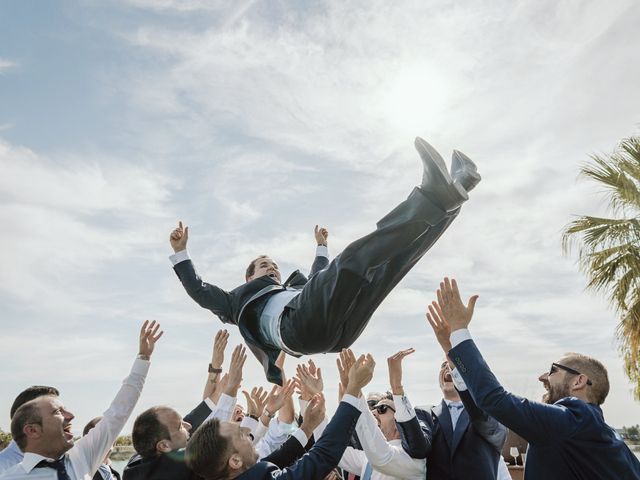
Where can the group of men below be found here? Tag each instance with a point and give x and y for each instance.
(372, 438)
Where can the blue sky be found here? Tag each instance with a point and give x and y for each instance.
(253, 121)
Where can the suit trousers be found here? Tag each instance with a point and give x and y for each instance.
(336, 304)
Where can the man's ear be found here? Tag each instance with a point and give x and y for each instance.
(163, 446)
(235, 462)
(580, 382)
(32, 430)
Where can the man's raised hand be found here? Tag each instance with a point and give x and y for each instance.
(440, 326)
(179, 237)
(321, 234)
(148, 337)
(238, 357)
(219, 345)
(313, 415)
(360, 374)
(310, 380)
(394, 362)
(256, 401)
(451, 307)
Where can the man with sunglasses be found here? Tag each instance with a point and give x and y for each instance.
(384, 454)
(568, 437)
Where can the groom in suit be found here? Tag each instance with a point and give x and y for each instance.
(568, 437)
(330, 310)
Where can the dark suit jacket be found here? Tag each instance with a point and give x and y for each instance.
(243, 305)
(323, 456)
(474, 446)
(567, 440)
(169, 466)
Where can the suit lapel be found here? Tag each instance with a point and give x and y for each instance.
(444, 419)
(461, 427)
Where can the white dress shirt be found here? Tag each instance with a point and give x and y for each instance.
(388, 458)
(10, 456)
(84, 458)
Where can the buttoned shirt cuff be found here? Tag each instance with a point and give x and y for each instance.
(351, 400)
(180, 256)
(458, 381)
(140, 367)
(322, 251)
(301, 437)
(404, 410)
(459, 336)
(210, 404)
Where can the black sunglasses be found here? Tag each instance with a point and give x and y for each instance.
(372, 403)
(382, 409)
(555, 366)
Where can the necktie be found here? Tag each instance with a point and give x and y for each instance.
(57, 465)
(105, 472)
(368, 470)
(455, 408)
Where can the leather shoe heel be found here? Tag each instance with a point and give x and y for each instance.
(464, 170)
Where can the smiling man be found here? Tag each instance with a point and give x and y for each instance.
(568, 437)
(42, 427)
(329, 311)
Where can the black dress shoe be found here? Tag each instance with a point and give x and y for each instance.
(437, 184)
(464, 171)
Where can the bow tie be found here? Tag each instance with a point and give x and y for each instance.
(57, 465)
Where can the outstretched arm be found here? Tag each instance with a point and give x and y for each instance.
(488, 427)
(534, 421)
(206, 295)
(322, 252)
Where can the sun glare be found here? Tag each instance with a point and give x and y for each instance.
(416, 98)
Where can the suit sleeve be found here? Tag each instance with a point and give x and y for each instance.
(321, 261)
(198, 415)
(206, 295)
(536, 422)
(487, 427)
(327, 451)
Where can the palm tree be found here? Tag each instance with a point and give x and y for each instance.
(609, 248)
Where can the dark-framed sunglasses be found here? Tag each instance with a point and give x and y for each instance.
(372, 404)
(555, 366)
(382, 409)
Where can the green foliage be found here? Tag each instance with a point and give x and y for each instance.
(5, 439)
(124, 440)
(609, 248)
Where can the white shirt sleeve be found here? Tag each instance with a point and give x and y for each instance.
(276, 435)
(353, 461)
(223, 410)
(250, 423)
(458, 381)
(90, 450)
(385, 458)
(459, 336)
(322, 251)
(178, 257)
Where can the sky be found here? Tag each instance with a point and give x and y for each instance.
(253, 121)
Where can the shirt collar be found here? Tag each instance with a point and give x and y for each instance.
(450, 402)
(30, 461)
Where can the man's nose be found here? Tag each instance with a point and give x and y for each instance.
(544, 377)
(68, 415)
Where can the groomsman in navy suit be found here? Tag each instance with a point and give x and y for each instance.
(568, 437)
(464, 439)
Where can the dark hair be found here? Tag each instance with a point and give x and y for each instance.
(87, 428)
(208, 452)
(148, 430)
(27, 413)
(31, 393)
(251, 269)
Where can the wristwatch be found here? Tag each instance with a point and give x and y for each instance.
(214, 370)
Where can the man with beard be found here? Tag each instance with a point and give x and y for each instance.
(568, 437)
